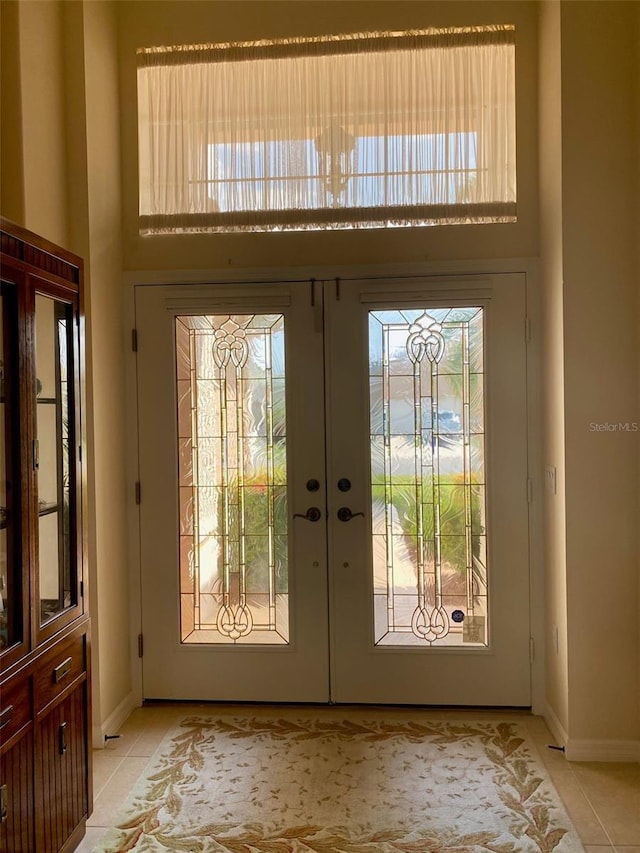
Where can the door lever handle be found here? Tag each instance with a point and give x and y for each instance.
(345, 514)
(312, 514)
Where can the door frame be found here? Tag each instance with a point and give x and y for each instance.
(526, 266)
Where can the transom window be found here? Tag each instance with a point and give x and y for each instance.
(354, 131)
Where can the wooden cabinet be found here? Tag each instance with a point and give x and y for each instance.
(17, 779)
(45, 759)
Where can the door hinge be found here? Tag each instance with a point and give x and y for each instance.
(140, 646)
(134, 340)
(529, 490)
(138, 493)
(532, 650)
(79, 453)
(81, 589)
(527, 329)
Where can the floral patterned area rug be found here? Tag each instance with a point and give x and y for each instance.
(274, 785)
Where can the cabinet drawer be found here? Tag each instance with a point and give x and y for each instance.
(15, 706)
(57, 669)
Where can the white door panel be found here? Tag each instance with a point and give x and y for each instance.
(451, 669)
(192, 661)
(438, 561)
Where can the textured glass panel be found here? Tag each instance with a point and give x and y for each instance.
(476, 402)
(427, 476)
(476, 349)
(395, 346)
(451, 361)
(185, 461)
(400, 396)
(184, 408)
(278, 412)
(478, 516)
(379, 515)
(378, 457)
(476, 458)
(403, 458)
(208, 417)
(376, 409)
(232, 463)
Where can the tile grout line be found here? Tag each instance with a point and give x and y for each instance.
(107, 780)
(592, 807)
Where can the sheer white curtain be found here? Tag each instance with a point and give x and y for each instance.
(351, 131)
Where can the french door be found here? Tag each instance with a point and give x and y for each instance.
(333, 491)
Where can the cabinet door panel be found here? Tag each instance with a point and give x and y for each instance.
(54, 454)
(62, 771)
(13, 582)
(17, 830)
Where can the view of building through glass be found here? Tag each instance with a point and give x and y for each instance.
(288, 174)
(232, 479)
(428, 476)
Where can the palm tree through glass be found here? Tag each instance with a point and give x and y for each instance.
(426, 377)
(230, 373)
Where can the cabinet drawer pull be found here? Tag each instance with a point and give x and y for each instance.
(4, 806)
(62, 670)
(6, 716)
(62, 735)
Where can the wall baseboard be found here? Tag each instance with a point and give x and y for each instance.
(602, 750)
(555, 726)
(576, 749)
(114, 721)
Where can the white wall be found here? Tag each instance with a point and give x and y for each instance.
(110, 601)
(589, 231)
(11, 167)
(600, 147)
(34, 158)
(61, 149)
(553, 422)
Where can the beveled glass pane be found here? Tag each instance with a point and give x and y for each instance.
(230, 375)
(427, 476)
(54, 387)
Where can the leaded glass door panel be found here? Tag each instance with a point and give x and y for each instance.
(334, 500)
(431, 583)
(231, 424)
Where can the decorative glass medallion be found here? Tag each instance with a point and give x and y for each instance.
(230, 374)
(427, 476)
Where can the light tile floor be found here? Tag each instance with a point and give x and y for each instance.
(603, 800)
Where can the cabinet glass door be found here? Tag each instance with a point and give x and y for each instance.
(54, 457)
(11, 603)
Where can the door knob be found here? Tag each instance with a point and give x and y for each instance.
(345, 514)
(312, 514)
